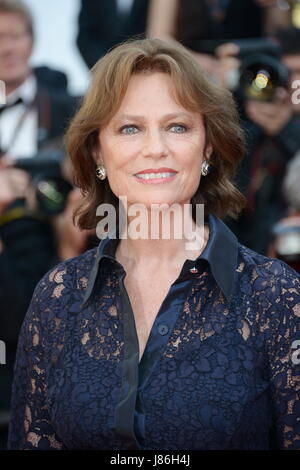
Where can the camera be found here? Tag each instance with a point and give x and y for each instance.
(47, 182)
(261, 71)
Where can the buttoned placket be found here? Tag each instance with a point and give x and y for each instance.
(129, 416)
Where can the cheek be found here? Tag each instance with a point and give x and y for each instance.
(25, 50)
(119, 155)
(117, 164)
(190, 154)
(191, 142)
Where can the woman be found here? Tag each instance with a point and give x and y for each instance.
(145, 343)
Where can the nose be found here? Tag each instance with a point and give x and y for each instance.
(155, 145)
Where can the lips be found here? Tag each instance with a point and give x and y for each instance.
(155, 176)
(156, 170)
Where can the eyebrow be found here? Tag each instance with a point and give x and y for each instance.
(132, 117)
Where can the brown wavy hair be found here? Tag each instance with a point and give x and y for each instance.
(194, 90)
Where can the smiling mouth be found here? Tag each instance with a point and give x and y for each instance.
(152, 176)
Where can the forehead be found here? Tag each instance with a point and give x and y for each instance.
(151, 90)
(9, 20)
(144, 85)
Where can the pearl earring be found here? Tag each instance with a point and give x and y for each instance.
(101, 172)
(205, 168)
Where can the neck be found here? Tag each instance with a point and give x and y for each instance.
(162, 243)
(12, 85)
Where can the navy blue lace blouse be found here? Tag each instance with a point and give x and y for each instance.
(220, 369)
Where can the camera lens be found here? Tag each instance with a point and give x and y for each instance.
(261, 75)
(51, 195)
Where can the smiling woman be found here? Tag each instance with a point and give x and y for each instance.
(169, 73)
(142, 343)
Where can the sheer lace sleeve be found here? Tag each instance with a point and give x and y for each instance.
(30, 425)
(284, 352)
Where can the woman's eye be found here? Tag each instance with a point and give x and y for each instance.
(178, 128)
(128, 130)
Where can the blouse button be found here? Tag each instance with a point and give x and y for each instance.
(163, 329)
(193, 270)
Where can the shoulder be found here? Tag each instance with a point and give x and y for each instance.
(268, 280)
(252, 262)
(65, 283)
(56, 296)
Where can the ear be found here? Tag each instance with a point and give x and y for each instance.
(208, 151)
(96, 152)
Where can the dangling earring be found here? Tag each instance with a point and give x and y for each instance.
(205, 168)
(101, 172)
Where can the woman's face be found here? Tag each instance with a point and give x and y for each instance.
(151, 132)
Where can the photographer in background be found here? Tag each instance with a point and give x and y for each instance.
(203, 25)
(286, 233)
(37, 104)
(273, 129)
(31, 122)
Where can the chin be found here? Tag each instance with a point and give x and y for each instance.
(13, 76)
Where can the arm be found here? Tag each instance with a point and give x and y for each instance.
(284, 356)
(162, 19)
(278, 122)
(289, 137)
(95, 30)
(30, 426)
(70, 240)
(271, 116)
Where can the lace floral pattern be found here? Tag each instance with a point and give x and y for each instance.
(227, 376)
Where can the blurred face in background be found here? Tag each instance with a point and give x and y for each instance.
(15, 50)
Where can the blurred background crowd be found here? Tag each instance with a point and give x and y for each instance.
(251, 47)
